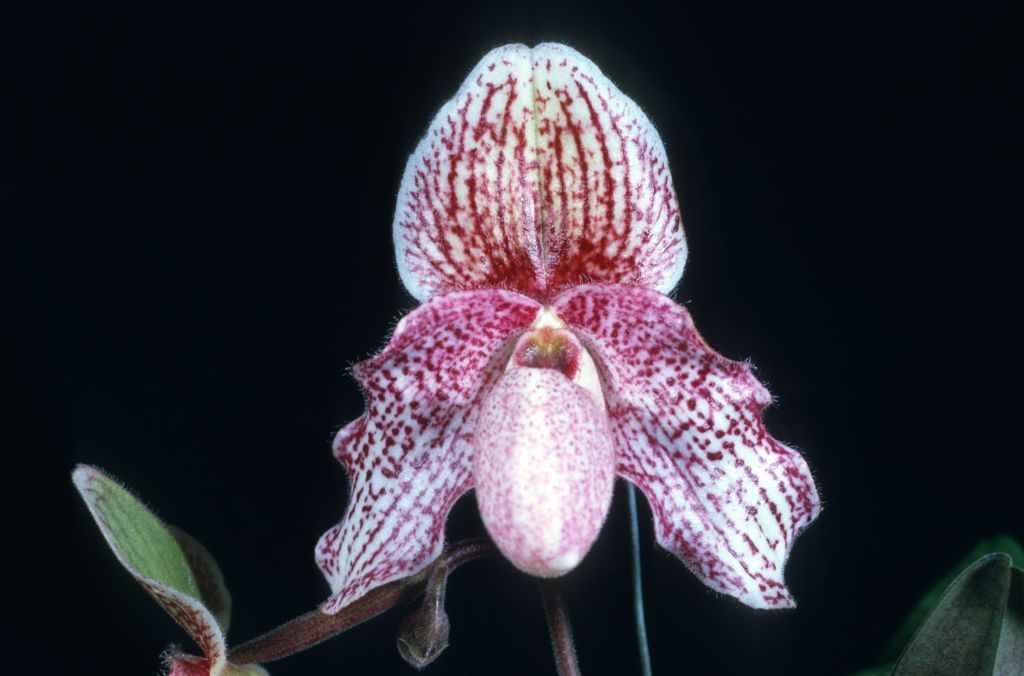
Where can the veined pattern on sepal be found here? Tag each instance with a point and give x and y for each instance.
(539, 174)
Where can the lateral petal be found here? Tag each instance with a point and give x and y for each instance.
(409, 456)
(727, 498)
(537, 175)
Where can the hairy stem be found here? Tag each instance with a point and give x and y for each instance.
(317, 626)
(559, 628)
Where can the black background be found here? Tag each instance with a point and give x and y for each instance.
(205, 248)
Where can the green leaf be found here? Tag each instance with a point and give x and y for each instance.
(999, 543)
(142, 543)
(1010, 657)
(149, 550)
(960, 636)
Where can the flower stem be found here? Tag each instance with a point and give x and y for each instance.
(317, 626)
(638, 591)
(559, 628)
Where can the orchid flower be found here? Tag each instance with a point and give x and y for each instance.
(538, 225)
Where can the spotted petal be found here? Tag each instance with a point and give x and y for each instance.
(727, 498)
(537, 175)
(409, 456)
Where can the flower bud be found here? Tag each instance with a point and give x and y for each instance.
(423, 633)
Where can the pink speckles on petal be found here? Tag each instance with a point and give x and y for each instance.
(409, 457)
(538, 174)
(727, 498)
(544, 469)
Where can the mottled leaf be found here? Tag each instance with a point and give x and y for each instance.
(999, 543)
(960, 636)
(1010, 656)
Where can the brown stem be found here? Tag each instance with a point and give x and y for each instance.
(559, 628)
(317, 626)
(465, 551)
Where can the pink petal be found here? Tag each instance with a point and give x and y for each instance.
(180, 664)
(727, 498)
(187, 665)
(545, 469)
(538, 174)
(409, 456)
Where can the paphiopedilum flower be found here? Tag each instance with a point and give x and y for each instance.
(538, 225)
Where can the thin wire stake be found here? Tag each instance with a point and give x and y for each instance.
(638, 591)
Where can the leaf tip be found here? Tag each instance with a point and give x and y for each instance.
(83, 475)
